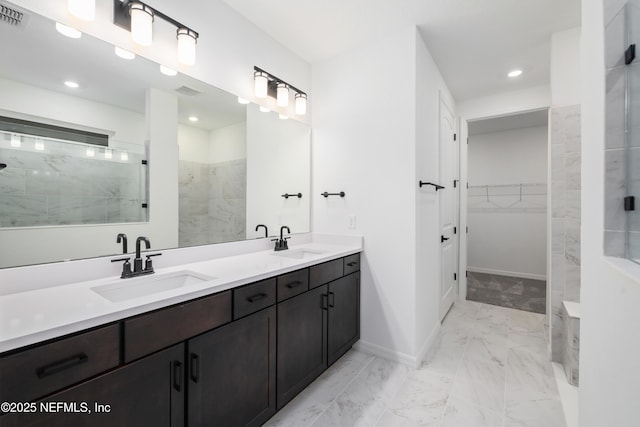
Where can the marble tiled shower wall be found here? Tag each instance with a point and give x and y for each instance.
(62, 186)
(213, 202)
(565, 141)
(621, 146)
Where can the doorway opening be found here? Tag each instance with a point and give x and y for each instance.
(507, 166)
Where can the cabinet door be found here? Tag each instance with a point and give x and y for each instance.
(232, 373)
(302, 342)
(344, 315)
(149, 392)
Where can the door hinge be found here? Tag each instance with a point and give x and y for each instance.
(455, 183)
(629, 203)
(455, 276)
(455, 230)
(630, 54)
(467, 230)
(144, 162)
(455, 136)
(466, 274)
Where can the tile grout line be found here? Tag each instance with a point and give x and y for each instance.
(372, 358)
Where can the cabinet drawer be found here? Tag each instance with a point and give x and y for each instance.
(33, 373)
(292, 284)
(325, 272)
(251, 298)
(351, 264)
(153, 331)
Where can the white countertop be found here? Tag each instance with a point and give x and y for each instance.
(37, 315)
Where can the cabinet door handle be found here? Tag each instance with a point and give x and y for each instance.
(333, 299)
(351, 264)
(294, 284)
(325, 300)
(256, 297)
(194, 369)
(62, 365)
(177, 375)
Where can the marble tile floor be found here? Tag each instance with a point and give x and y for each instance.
(487, 368)
(507, 291)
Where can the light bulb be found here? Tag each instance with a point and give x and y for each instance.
(261, 84)
(187, 46)
(301, 104)
(141, 24)
(82, 9)
(282, 95)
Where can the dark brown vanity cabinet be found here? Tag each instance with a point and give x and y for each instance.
(148, 392)
(344, 315)
(231, 373)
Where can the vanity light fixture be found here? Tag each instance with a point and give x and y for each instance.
(266, 84)
(168, 71)
(82, 9)
(124, 54)
(71, 84)
(68, 31)
(514, 73)
(138, 18)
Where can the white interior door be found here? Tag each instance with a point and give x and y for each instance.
(448, 208)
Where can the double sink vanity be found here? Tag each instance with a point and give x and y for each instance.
(226, 340)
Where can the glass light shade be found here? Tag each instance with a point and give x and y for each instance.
(301, 104)
(168, 71)
(282, 95)
(124, 54)
(82, 9)
(187, 46)
(261, 84)
(68, 31)
(141, 24)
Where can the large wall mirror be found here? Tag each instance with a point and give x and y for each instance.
(80, 160)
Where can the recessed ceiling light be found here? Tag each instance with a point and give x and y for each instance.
(124, 54)
(71, 84)
(514, 73)
(282, 117)
(168, 71)
(264, 109)
(243, 101)
(68, 31)
(193, 119)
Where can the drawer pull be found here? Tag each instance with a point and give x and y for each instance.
(256, 297)
(194, 370)
(62, 365)
(351, 264)
(294, 284)
(177, 375)
(333, 299)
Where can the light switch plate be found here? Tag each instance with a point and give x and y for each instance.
(352, 222)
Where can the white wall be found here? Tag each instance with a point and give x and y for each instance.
(272, 146)
(373, 144)
(228, 47)
(509, 242)
(565, 67)
(228, 143)
(193, 143)
(609, 348)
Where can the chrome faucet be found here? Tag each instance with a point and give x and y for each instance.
(281, 244)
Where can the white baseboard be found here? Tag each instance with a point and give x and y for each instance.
(385, 353)
(395, 356)
(508, 273)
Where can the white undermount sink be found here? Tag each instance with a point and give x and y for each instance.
(298, 253)
(125, 289)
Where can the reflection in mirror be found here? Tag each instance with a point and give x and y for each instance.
(234, 162)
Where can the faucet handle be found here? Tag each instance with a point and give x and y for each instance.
(148, 265)
(126, 267)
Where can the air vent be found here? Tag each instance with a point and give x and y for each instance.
(185, 90)
(13, 16)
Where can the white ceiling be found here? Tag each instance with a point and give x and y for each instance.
(474, 42)
(512, 121)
